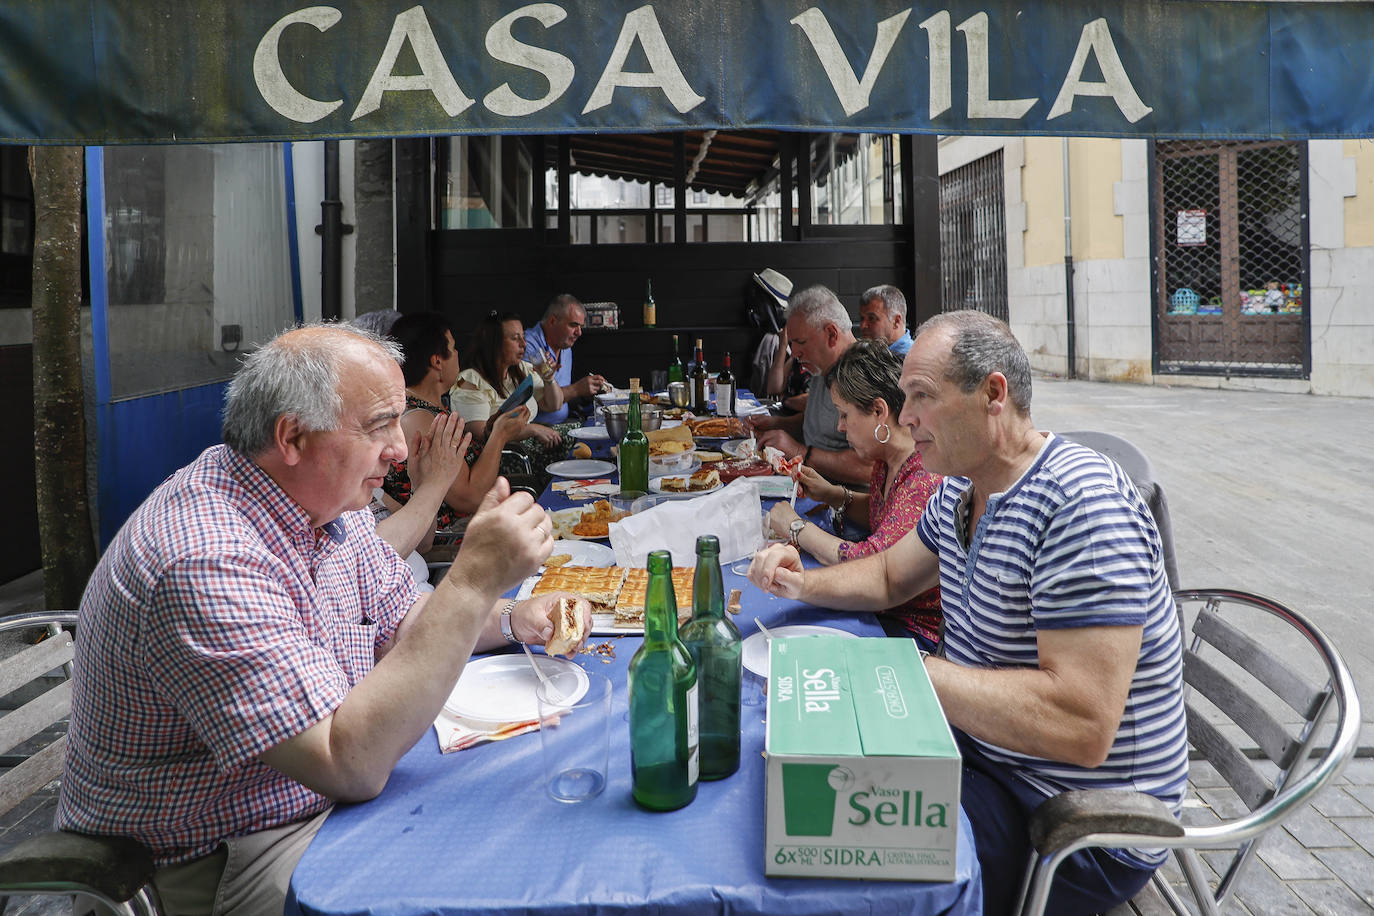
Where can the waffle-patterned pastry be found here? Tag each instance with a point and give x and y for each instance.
(598, 584)
(629, 607)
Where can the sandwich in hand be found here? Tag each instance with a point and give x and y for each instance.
(568, 630)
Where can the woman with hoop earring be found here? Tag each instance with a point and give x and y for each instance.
(863, 385)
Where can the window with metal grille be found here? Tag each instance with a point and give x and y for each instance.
(1231, 257)
(973, 237)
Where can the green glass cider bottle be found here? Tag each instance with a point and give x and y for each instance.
(634, 448)
(664, 757)
(714, 641)
(676, 371)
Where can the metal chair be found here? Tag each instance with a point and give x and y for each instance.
(1233, 678)
(1137, 466)
(118, 871)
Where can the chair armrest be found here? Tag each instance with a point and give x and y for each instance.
(114, 867)
(1070, 816)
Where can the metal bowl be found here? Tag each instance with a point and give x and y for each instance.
(616, 418)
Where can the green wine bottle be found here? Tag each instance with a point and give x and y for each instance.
(713, 639)
(634, 448)
(664, 757)
(676, 371)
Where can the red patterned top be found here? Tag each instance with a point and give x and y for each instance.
(891, 518)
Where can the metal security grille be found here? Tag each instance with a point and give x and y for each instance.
(973, 237)
(1231, 265)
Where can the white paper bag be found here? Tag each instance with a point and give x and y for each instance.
(733, 514)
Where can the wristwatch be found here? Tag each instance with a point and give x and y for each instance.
(506, 630)
(794, 531)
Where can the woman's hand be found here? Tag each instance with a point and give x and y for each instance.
(547, 435)
(509, 426)
(437, 453)
(780, 517)
(816, 487)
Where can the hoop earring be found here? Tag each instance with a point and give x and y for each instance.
(886, 435)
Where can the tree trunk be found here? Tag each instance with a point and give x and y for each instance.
(59, 442)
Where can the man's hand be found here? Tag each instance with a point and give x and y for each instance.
(760, 422)
(778, 571)
(507, 539)
(437, 455)
(780, 517)
(783, 442)
(529, 620)
(588, 386)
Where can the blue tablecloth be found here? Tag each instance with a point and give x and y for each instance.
(473, 832)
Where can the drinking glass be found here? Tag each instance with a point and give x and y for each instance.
(575, 737)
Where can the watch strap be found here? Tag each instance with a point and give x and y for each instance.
(506, 630)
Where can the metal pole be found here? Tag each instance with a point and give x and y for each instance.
(1068, 265)
(331, 231)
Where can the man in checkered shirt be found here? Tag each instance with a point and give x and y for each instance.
(252, 652)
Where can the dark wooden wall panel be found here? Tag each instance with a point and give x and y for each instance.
(19, 547)
(700, 289)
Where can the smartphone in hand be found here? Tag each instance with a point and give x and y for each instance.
(519, 396)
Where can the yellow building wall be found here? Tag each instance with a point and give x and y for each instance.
(1359, 210)
(1094, 168)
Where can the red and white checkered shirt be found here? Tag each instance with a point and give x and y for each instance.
(217, 624)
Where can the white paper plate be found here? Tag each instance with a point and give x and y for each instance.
(590, 433)
(586, 553)
(754, 651)
(500, 688)
(656, 485)
(581, 468)
(564, 520)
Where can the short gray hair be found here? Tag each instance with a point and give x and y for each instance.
(893, 300)
(817, 306)
(982, 345)
(295, 373)
(560, 305)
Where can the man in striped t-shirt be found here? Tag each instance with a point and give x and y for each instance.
(1062, 664)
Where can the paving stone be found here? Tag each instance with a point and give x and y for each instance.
(1224, 801)
(1354, 866)
(1265, 895)
(1363, 794)
(1360, 829)
(1330, 898)
(1337, 801)
(1289, 859)
(1314, 831)
(1360, 771)
(1203, 774)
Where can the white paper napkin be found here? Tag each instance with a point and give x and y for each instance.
(732, 514)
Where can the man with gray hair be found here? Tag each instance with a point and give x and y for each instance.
(252, 652)
(818, 331)
(1061, 664)
(882, 316)
(548, 347)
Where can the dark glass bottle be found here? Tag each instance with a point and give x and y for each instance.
(676, 371)
(664, 753)
(634, 448)
(650, 310)
(725, 390)
(701, 399)
(713, 639)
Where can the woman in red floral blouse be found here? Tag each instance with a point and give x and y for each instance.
(863, 385)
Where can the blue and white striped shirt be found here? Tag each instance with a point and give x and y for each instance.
(1070, 544)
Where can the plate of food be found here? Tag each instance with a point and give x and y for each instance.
(717, 428)
(615, 593)
(581, 468)
(754, 649)
(590, 433)
(500, 688)
(580, 553)
(698, 484)
(591, 523)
